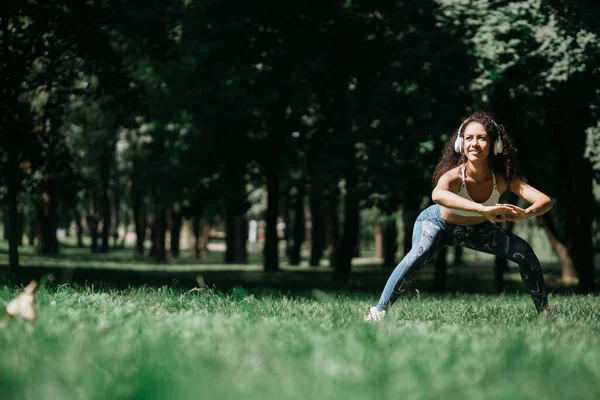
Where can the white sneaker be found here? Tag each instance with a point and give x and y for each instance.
(549, 311)
(374, 315)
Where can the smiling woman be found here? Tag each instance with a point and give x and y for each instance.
(478, 165)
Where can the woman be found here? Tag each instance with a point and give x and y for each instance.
(478, 165)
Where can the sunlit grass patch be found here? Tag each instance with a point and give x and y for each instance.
(165, 342)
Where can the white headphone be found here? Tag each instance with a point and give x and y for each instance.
(459, 143)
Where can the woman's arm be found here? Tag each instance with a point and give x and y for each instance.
(540, 203)
(445, 195)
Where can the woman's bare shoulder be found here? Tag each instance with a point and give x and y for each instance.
(453, 179)
(453, 174)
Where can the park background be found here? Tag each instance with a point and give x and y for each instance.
(285, 135)
(236, 150)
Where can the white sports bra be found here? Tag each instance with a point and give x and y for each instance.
(464, 193)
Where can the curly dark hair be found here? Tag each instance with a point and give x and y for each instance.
(505, 163)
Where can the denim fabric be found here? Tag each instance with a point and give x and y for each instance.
(431, 233)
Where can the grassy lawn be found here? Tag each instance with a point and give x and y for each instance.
(80, 266)
(167, 343)
(476, 274)
(70, 256)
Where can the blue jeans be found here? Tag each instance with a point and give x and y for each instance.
(431, 233)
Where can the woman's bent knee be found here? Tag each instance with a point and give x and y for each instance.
(525, 256)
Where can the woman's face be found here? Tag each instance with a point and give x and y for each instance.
(477, 142)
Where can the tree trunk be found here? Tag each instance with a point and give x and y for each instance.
(308, 219)
(568, 273)
(158, 235)
(67, 227)
(317, 224)
(159, 227)
(349, 238)
(579, 229)
(116, 206)
(12, 180)
(357, 242)
(139, 217)
(287, 216)
(390, 241)
(379, 241)
(78, 227)
(8, 129)
(206, 238)
(332, 225)
(236, 239)
(271, 252)
(198, 224)
(126, 224)
(106, 208)
(46, 214)
(21, 227)
(440, 278)
(32, 231)
(5, 220)
(299, 226)
(235, 225)
(241, 227)
(195, 247)
(176, 223)
(458, 254)
(571, 109)
(92, 221)
(106, 219)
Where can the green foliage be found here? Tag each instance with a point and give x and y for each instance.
(592, 148)
(210, 105)
(528, 34)
(165, 342)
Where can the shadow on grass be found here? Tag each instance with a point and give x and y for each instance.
(119, 269)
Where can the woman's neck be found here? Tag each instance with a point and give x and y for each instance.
(478, 171)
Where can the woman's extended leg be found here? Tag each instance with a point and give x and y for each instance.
(492, 239)
(427, 240)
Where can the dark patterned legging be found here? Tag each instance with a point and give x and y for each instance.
(431, 233)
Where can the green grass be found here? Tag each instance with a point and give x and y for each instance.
(167, 343)
(70, 256)
(367, 273)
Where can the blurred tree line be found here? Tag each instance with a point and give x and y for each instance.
(145, 113)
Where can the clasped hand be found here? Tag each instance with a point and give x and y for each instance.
(505, 212)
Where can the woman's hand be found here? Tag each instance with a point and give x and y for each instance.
(519, 214)
(501, 212)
